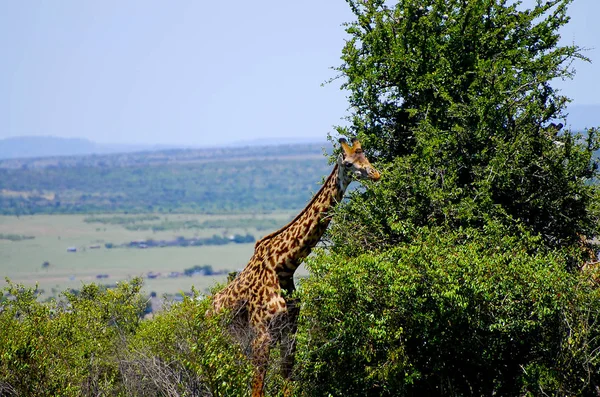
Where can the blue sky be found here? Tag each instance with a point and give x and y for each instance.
(192, 72)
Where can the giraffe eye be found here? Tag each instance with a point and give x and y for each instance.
(347, 164)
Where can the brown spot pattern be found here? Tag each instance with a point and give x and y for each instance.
(274, 262)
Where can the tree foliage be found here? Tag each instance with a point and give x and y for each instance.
(451, 313)
(455, 100)
(70, 347)
(458, 273)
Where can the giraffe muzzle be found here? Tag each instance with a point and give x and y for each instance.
(373, 174)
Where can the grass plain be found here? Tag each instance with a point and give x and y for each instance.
(22, 261)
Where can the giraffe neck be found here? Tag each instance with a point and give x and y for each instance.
(292, 243)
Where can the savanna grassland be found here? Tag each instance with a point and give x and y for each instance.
(217, 202)
(64, 251)
(219, 180)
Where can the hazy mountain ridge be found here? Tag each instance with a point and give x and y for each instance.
(579, 118)
(50, 146)
(28, 147)
(167, 157)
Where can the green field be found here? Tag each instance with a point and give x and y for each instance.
(203, 181)
(22, 260)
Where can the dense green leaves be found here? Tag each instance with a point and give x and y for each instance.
(463, 313)
(455, 99)
(68, 348)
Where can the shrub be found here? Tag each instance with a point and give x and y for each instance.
(68, 347)
(180, 351)
(450, 313)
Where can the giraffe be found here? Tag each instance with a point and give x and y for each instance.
(261, 296)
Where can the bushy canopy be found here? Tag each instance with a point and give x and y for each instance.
(451, 313)
(455, 100)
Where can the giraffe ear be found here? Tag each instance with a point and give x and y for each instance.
(355, 144)
(344, 143)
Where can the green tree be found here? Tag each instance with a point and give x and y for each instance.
(457, 273)
(455, 100)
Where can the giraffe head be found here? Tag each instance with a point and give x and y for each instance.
(354, 164)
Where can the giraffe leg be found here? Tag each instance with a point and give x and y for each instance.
(288, 337)
(260, 360)
(288, 343)
(262, 319)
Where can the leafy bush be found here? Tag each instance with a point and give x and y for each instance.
(94, 342)
(450, 313)
(67, 348)
(182, 352)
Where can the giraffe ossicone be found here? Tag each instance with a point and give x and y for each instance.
(262, 294)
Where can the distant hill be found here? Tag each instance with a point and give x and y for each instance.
(307, 151)
(43, 146)
(49, 146)
(580, 117)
